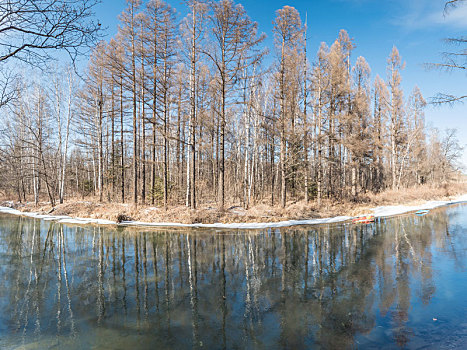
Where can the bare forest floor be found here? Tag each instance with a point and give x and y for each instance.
(234, 214)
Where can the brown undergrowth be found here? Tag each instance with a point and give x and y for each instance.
(236, 213)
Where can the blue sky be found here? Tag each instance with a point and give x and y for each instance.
(416, 27)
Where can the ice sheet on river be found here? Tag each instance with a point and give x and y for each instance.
(383, 211)
(245, 225)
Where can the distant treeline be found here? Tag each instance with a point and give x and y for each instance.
(186, 112)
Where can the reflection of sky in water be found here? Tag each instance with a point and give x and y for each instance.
(398, 282)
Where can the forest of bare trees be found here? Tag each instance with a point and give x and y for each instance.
(199, 111)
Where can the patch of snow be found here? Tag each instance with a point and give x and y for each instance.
(59, 218)
(81, 221)
(74, 221)
(10, 211)
(103, 222)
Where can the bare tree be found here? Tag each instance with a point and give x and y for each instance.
(192, 35)
(130, 32)
(30, 30)
(452, 60)
(357, 140)
(287, 30)
(64, 93)
(167, 53)
(234, 39)
(395, 65)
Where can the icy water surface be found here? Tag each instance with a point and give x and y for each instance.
(398, 283)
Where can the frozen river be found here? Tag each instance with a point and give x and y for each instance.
(399, 282)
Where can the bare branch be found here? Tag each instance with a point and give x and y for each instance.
(32, 29)
(451, 4)
(441, 99)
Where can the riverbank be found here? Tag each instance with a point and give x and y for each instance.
(260, 216)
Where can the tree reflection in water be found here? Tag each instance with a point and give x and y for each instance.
(328, 286)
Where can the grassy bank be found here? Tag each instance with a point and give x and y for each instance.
(233, 214)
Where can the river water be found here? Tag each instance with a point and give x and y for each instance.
(398, 283)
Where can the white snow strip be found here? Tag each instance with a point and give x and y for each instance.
(245, 225)
(59, 218)
(74, 221)
(81, 221)
(11, 211)
(383, 211)
(392, 210)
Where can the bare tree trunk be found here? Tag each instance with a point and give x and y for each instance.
(305, 121)
(406, 154)
(222, 148)
(191, 178)
(193, 165)
(320, 146)
(154, 118)
(179, 136)
(100, 105)
(354, 179)
(58, 112)
(135, 129)
(122, 150)
(35, 181)
(188, 179)
(393, 156)
(166, 150)
(246, 120)
(112, 141)
(67, 137)
(273, 177)
(282, 129)
(143, 124)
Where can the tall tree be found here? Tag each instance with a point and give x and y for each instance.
(396, 104)
(153, 29)
(380, 116)
(416, 126)
(192, 35)
(358, 139)
(92, 101)
(168, 54)
(320, 83)
(287, 36)
(64, 97)
(234, 38)
(116, 66)
(337, 112)
(305, 114)
(129, 30)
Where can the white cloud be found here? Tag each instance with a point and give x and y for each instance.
(456, 18)
(423, 14)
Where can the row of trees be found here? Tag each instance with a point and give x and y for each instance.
(198, 111)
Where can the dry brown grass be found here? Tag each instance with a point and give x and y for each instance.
(258, 213)
(419, 193)
(409, 196)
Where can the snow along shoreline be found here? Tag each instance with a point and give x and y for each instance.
(378, 212)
